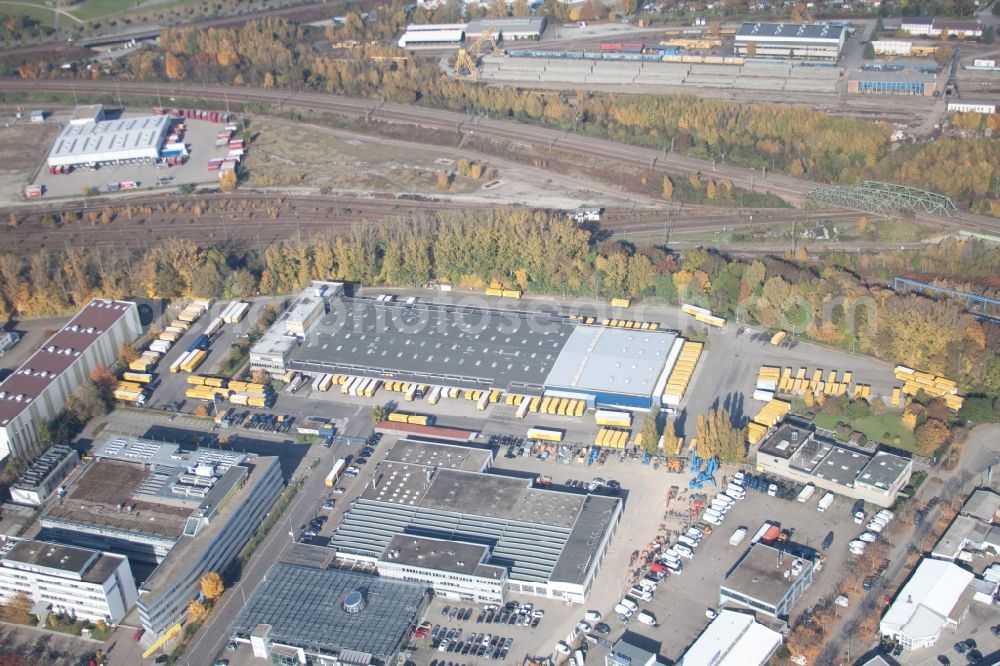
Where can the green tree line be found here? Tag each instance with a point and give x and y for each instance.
(839, 298)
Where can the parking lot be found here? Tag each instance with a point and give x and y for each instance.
(199, 138)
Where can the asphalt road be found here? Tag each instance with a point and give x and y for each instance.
(214, 634)
(787, 187)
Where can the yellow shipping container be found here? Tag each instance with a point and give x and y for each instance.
(535, 400)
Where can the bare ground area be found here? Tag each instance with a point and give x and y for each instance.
(23, 146)
(287, 154)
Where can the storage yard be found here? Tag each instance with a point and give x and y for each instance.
(749, 76)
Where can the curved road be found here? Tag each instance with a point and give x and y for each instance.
(787, 187)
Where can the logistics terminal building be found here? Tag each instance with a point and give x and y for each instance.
(110, 141)
(474, 535)
(466, 347)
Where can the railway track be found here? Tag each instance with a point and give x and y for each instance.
(789, 188)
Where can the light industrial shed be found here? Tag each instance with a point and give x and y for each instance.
(110, 141)
(790, 40)
(612, 367)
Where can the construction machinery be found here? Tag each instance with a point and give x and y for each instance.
(702, 476)
(467, 61)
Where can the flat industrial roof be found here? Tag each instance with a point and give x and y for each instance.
(511, 24)
(932, 594)
(57, 354)
(102, 140)
(787, 438)
(884, 470)
(305, 608)
(611, 360)
(506, 513)
(761, 574)
(983, 504)
(39, 470)
(434, 343)
(733, 638)
(824, 31)
(445, 456)
(841, 466)
(90, 566)
(444, 555)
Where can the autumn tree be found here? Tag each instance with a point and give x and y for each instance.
(443, 180)
(173, 67)
(930, 436)
(201, 410)
(259, 376)
(197, 611)
(668, 188)
(228, 180)
(651, 432)
(718, 437)
(127, 353)
(212, 586)
(17, 609)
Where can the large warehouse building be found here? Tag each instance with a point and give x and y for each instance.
(810, 41)
(437, 344)
(110, 141)
(177, 513)
(473, 534)
(38, 389)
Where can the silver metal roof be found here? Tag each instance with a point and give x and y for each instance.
(111, 139)
(611, 360)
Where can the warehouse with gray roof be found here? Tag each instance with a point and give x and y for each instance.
(109, 141)
(469, 347)
(808, 41)
(548, 543)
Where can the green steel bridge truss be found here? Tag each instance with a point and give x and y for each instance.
(882, 198)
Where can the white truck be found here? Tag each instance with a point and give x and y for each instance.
(806, 493)
(825, 503)
(738, 536)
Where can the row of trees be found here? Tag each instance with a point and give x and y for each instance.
(839, 298)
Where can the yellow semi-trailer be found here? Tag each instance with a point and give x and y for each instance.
(325, 383)
(546, 434)
(398, 417)
(778, 338)
(483, 401)
(419, 419)
(621, 302)
(522, 409)
(138, 397)
(694, 310)
(607, 417)
(435, 395)
(195, 380)
(196, 359)
(169, 336)
(139, 377)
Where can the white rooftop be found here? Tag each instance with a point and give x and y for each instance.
(928, 599)
(108, 138)
(732, 639)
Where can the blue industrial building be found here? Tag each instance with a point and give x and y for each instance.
(612, 367)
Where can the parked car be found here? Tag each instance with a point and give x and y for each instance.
(711, 614)
(645, 617)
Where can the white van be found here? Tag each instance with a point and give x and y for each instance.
(687, 541)
(695, 534)
(725, 498)
(712, 519)
(721, 507)
(683, 550)
(885, 513)
(640, 593)
(645, 617)
(623, 610)
(675, 567)
(713, 512)
(628, 603)
(735, 491)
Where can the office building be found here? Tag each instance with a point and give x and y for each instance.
(796, 450)
(180, 513)
(894, 82)
(767, 580)
(87, 584)
(44, 475)
(38, 389)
